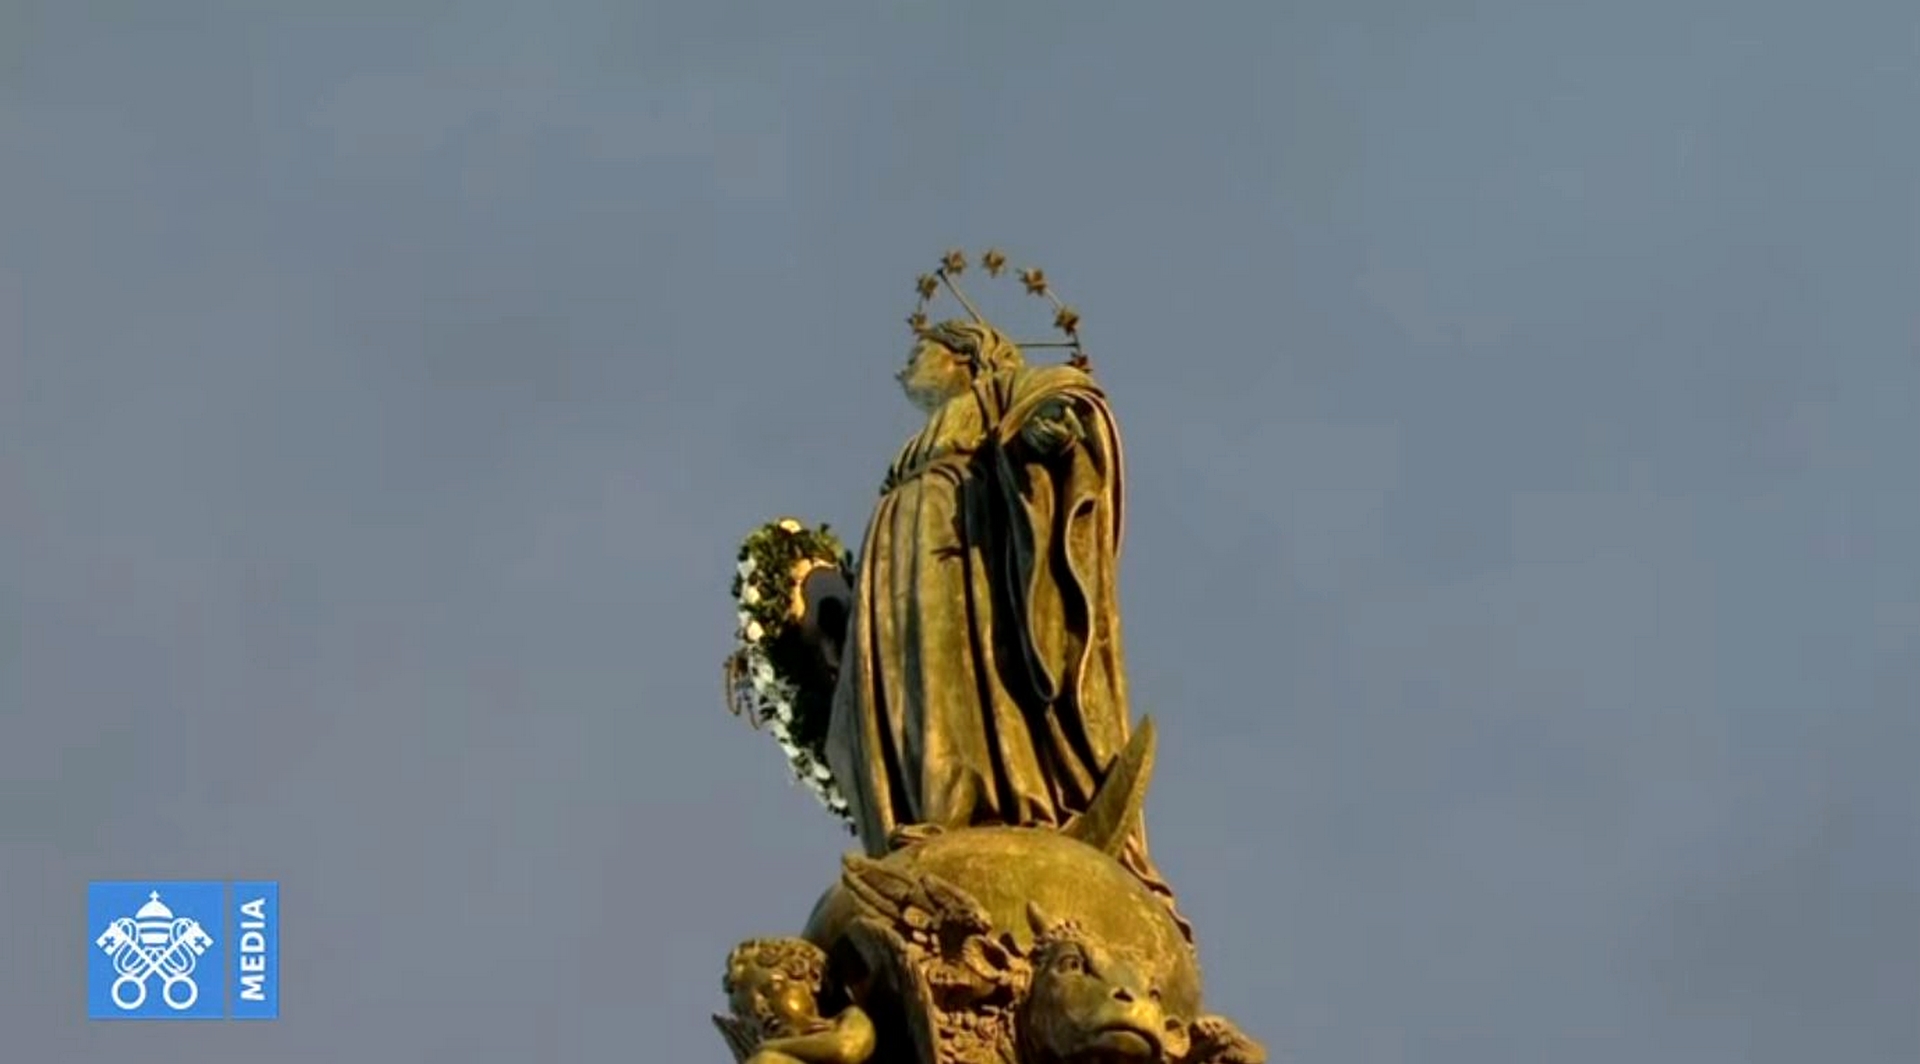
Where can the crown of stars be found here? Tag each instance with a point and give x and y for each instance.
(994, 262)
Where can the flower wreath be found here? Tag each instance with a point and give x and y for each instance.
(764, 671)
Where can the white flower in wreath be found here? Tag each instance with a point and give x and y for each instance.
(761, 672)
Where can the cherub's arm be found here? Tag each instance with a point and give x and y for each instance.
(849, 1040)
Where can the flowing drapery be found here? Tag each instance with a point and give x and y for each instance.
(982, 679)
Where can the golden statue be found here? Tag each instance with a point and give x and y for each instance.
(981, 678)
(958, 696)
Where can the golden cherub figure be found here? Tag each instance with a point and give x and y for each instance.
(773, 987)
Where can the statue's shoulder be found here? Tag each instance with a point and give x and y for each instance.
(1053, 378)
(1033, 388)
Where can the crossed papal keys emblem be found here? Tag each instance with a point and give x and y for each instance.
(154, 942)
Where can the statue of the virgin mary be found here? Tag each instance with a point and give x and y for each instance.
(980, 675)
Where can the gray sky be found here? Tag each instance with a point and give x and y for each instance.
(1524, 559)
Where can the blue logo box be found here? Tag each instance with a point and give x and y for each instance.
(183, 950)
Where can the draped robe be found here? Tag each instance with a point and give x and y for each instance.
(982, 680)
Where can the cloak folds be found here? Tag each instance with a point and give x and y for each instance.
(982, 679)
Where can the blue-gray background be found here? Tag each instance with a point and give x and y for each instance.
(1524, 557)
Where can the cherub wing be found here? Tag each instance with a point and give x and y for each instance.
(930, 944)
(740, 1036)
(922, 906)
(954, 910)
(896, 965)
(878, 890)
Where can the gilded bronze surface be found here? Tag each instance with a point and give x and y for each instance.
(1004, 909)
(773, 986)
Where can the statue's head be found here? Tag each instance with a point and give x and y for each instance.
(949, 355)
(1091, 1004)
(775, 983)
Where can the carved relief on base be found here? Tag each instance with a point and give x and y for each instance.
(926, 972)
